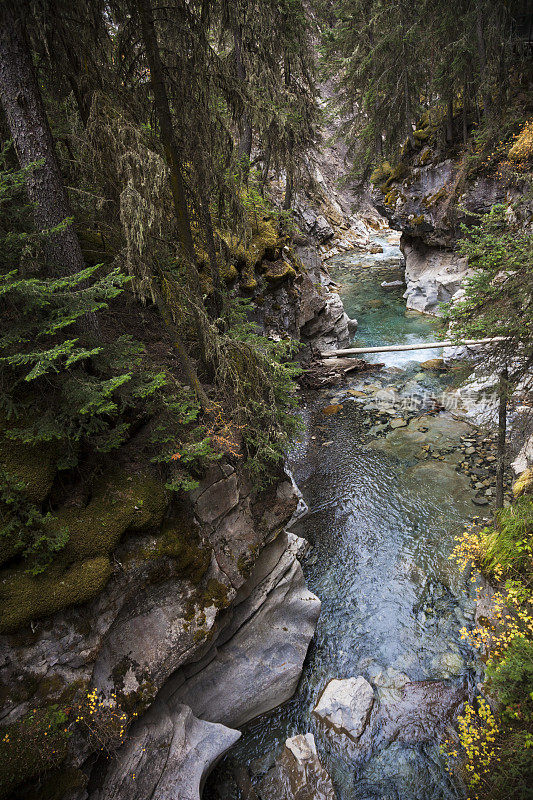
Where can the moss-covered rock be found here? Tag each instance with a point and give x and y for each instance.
(25, 597)
(381, 173)
(216, 594)
(180, 542)
(32, 746)
(33, 467)
(119, 502)
(421, 135)
(524, 483)
(278, 272)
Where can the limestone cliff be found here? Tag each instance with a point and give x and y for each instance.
(427, 196)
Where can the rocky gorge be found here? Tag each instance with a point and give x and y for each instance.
(200, 635)
(194, 616)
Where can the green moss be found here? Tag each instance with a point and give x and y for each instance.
(398, 173)
(381, 173)
(421, 135)
(180, 542)
(433, 199)
(34, 467)
(228, 273)
(51, 686)
(216, 594)
(425, 156)
(278, 272)
(248, 281)
(119, 502)
(24, 597)
(391, 197)
(32, 746)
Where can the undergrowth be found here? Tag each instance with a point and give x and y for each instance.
(496, 732)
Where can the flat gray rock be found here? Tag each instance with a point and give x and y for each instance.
(345, 705)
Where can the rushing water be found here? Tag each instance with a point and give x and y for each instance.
(381, 523)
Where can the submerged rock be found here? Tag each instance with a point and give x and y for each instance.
(346, 705)
(298, 774)
(334, 408)
(391, 285)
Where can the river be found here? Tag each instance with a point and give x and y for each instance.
(384, 507)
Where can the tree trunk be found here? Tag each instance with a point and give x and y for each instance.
(32, 138)
(449, 121)
(482, 55)
(178, 195)
(465, 114)
(207, 224)
(407, 103)
(502, 430)
(289, 188)
(162, 107)
(191, 375)
(266, 168)
(245, 141)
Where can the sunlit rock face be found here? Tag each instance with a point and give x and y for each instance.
(345, 705)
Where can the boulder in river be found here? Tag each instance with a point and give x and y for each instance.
(389, 286)
(345, 705)
(433, 363)
(298, 774)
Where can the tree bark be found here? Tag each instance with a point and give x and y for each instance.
(502, 430)
(465, 114)
(482, 55)
(32, 138)
(191, 376)
(407, 105)
(289, 187)
(449, 121)
(245, 140)
(179, 198)
(207, 223)
(162, 107)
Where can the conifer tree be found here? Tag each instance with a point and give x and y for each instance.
(34, 145)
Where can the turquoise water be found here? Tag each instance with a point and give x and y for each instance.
(382, 525)
(382, 316)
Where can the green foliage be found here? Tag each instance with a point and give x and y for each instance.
(509, 545)
(24, 526)
(392, 62)
(511, 682)
(182, 443)
(31, 746)
(258, 374)
(490, 143)
(499, 296)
